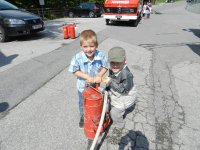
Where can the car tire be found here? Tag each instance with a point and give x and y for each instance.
(107, 22)
(91, 14)
(71, 15)
(3, 36)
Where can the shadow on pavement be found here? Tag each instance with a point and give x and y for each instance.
(3, 106)
(157, 13)
(4, 60)
(124, 23)
(196, 32)
(134, 140)
(46, 34)
(195, 48)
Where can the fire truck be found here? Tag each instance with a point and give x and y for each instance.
(123, 10)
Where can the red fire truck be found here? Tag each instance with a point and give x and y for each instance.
(123, 10)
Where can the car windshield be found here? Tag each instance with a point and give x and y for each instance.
(97, 5)
(6, 6)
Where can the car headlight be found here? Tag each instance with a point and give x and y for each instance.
(13, 21)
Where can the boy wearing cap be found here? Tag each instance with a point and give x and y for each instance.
(121, 87)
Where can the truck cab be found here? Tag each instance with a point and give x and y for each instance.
(123, 10)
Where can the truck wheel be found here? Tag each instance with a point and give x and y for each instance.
(139, 17)
(3, 36)
(91, 14)
(107, 22)
(134, 23)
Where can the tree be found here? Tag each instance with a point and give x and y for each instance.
(50, 3)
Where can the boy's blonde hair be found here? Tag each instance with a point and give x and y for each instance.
(88, 36)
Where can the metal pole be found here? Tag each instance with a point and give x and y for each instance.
(42, 12)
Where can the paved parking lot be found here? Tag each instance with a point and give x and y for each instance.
(21, 49)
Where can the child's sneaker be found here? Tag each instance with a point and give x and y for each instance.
(81, 122)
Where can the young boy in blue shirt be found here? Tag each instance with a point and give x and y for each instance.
(88, 66)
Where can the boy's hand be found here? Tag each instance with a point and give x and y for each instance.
(90, 80)
(97, 79)
(106, 79)
(93, 80)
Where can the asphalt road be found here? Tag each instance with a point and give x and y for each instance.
(27, 63)
(163, 53)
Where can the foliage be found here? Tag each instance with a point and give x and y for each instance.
(52, 8)
(50, 3)
(159, 1)
(99, 1)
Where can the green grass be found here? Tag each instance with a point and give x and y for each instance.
(163, 1)
(159, 1)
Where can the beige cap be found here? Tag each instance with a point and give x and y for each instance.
(116, 54)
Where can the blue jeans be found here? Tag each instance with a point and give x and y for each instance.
(80, 96)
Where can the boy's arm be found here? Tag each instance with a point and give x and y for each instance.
(99, 76)
(84, 76)
(81, 75)
(102, 72)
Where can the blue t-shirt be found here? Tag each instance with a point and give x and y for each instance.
(81, 63)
